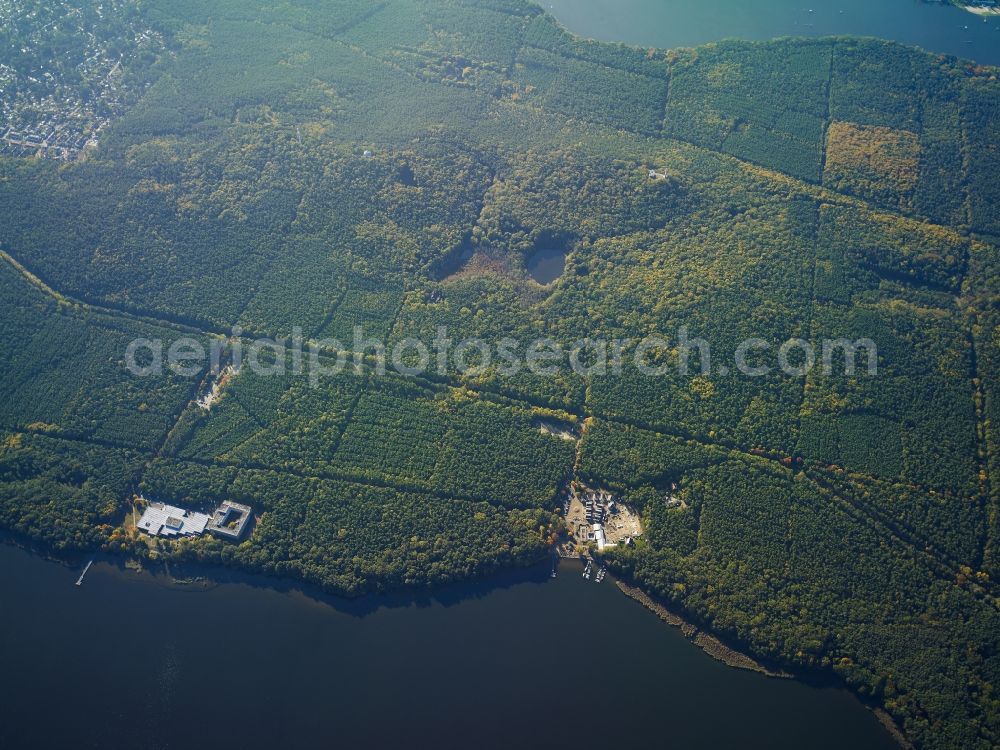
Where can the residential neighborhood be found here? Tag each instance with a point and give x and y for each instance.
(69, 68)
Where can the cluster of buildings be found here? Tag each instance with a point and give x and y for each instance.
(56, 106)
(589, 511)
(599, 505)
(228, 521)
(52, 140)
(597, 517)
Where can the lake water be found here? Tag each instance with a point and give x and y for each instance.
(546, 265)
(685, 23)
(129, 661)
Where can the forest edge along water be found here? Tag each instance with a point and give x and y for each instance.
(935, 26)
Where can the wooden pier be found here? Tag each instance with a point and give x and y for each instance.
(79, 581)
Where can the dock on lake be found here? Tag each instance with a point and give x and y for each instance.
(79, 581)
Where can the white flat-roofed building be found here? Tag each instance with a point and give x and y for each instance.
(599, 537)
(161, 519)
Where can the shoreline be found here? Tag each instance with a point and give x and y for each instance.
(198, 575)
(892, 728)
(984, 11)
(707, 642)
(729, 656)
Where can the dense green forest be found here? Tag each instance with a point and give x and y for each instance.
(306, 167)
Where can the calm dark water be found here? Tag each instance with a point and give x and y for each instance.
(546, 265)
(126, 661)
(685, 23)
